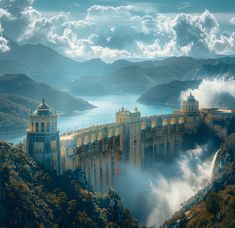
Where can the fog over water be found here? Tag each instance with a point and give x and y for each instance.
(154, 197)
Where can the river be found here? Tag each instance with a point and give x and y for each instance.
(106, 107)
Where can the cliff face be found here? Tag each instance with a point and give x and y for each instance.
(224, 169)
(212, 205)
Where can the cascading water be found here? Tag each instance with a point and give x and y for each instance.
(213, 165)
(153, 198)
(194, 174)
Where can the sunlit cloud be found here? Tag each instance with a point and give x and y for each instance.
(111, 32)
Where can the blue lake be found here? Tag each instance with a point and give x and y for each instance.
(107, 106)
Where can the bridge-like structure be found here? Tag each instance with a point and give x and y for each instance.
(101, 150)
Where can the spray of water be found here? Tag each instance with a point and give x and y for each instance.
(153, 198)
(213, 165)
(209, 90)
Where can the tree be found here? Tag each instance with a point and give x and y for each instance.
(212, 203)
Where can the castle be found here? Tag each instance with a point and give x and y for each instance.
(100, 151)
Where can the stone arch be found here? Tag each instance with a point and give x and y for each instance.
(110, 132)
(143, 125)
(153, 123)
(86, 139)
(164, 122)
(172, 121)
(93, 137)
(181, 120)
(79, 141)
(100, 135)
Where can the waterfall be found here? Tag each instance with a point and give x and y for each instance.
(213, 164)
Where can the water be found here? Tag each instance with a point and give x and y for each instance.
(154, 197)
(107, 106)
(213, 165)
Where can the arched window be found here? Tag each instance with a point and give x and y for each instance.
(48, 127)
(36, 127)
(42, 127)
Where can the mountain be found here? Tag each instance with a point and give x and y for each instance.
(14, 112)
(20, 84)
(31, 197)
(19, 94)
(95, 77)
(128, 77)
(167, 94)
(45, 65)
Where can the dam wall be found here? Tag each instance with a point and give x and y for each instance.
(101, 150)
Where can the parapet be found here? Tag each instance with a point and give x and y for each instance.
(125, 116)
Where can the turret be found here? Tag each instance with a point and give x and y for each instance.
(190, 105)
(192, 115)
(42, 141)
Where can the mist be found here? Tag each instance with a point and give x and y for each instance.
(209, 91)
(153, 197)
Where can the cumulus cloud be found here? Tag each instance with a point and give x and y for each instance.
(208, 91)
(3, 41)
(112, 32)
(232, 20)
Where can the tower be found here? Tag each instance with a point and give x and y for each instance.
(192, 115)
(191, 105)
(42, 141)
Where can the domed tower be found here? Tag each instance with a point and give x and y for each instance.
(190, 105)
(42, 141)
(192, 114)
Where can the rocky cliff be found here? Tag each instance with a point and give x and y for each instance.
(213, 206)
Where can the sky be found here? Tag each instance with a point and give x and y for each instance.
(116, 29)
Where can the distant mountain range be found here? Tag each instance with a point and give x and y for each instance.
(128, 77)
(19, 94)
(95, 77)
(44, 64)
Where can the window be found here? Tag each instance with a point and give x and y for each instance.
(42, 127)
(36, 127)
(48, 127)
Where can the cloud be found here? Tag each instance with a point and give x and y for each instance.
(3, 41)
(232, 20)
(208, 91)
(3, 44)
(112, 32)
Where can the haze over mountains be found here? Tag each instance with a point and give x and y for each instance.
(91, 77)
(19, 94)
(32, 72)
(139, 77)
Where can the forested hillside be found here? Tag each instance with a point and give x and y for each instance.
(31, 197)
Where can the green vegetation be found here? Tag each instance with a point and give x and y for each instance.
(35, 198)
(14, 111)
(218, 210)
